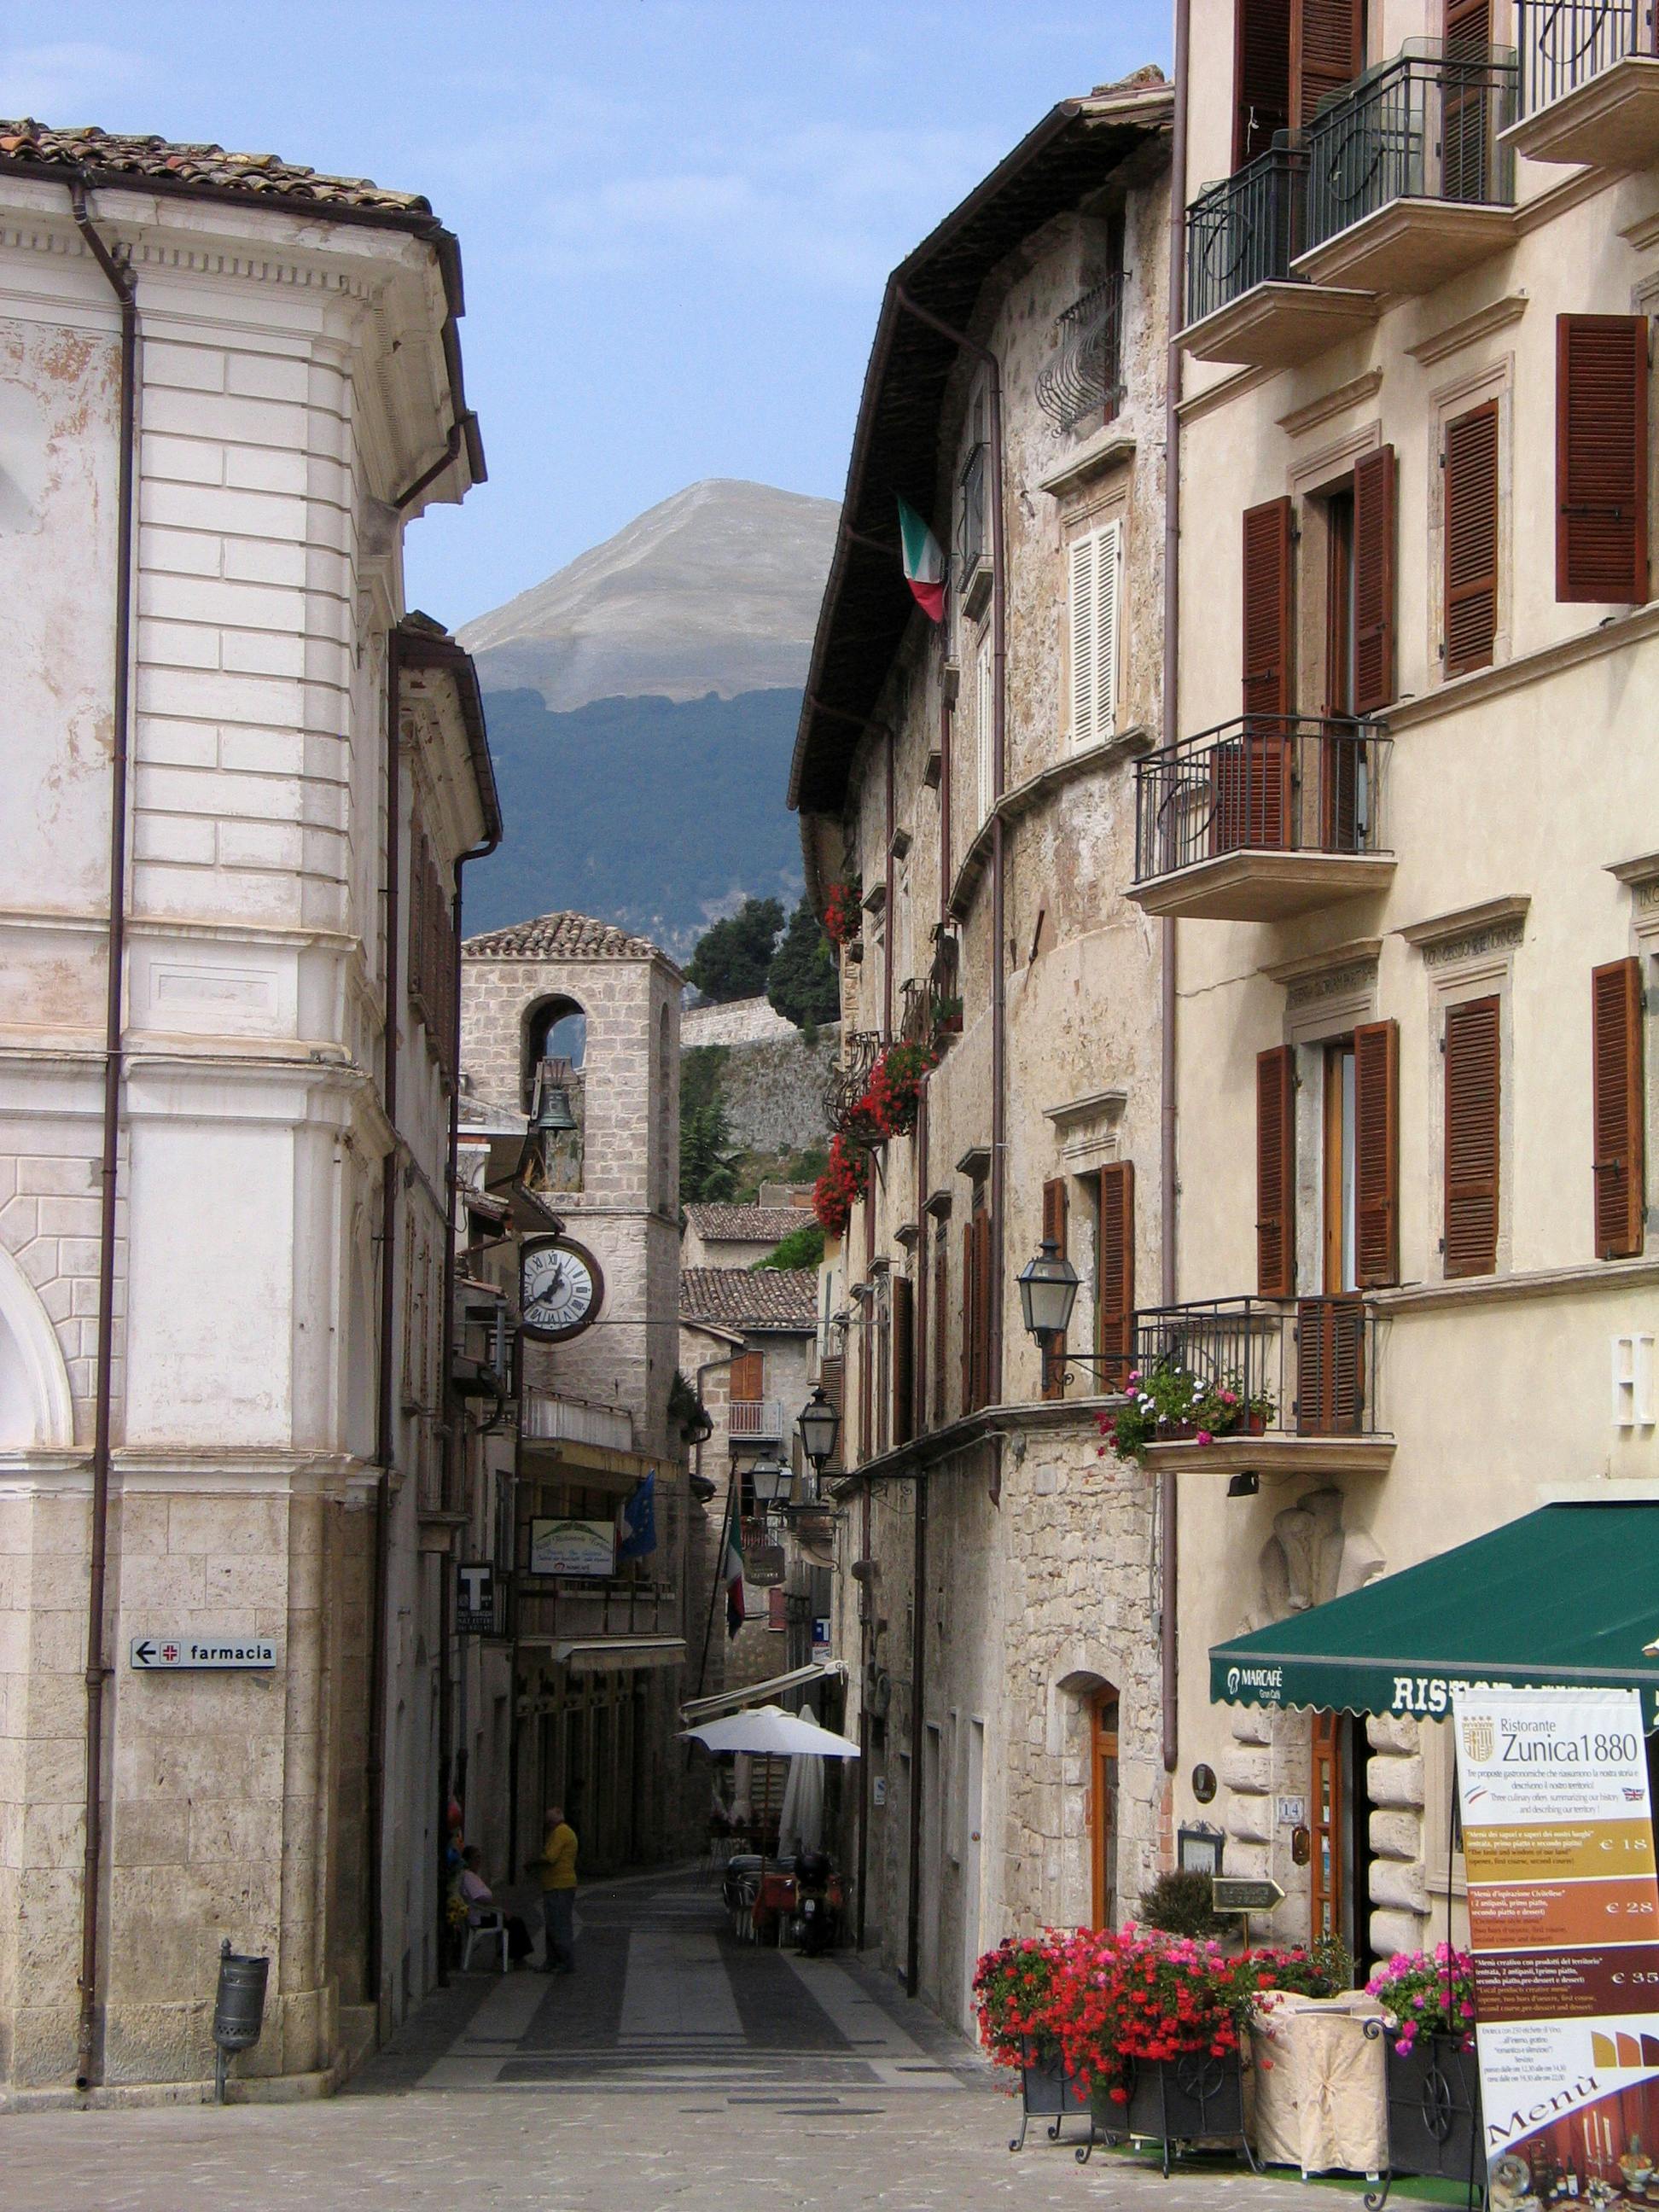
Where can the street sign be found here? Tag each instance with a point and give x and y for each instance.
(161, 1655)
(1232, 1892)
(474, 1598)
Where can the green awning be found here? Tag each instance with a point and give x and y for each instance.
(1566, 1597)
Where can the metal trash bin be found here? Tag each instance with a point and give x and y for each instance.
(239, 2008)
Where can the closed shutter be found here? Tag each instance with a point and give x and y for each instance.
(1330, 1367)
(986, 734)
(983, 1291)
(749, 1376)
(1261, 76)
(904, 1359)
(1377, 1153)
(1374, 533)
(1620, 1167)
(1053, 1230)
(937, 1346)
(1472, 1129)
(1116, 1262)
(1266, 609)
(1601, 458)
(1327, 51)
(1471, 522)
(970, 1302)
(832, 1381)
(1093, 614)
(1275, 1172)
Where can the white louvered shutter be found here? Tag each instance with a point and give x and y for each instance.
(987, 735)
(1094, 597)
(1084, 570)
(1108, 544)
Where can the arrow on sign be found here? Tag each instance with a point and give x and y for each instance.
(142, 1653)
(1234, 1893)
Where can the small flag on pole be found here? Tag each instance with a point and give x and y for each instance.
(735, 1615)
(924, 563)
(638, 1530)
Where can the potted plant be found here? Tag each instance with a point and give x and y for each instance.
(1171, 1405)
(841, 1186)
(1433, 2084)
(842, 911)
(1012, 1988)
(946, 1014)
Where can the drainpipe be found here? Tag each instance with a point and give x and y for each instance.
(888, 918)
(727, 1517)
(1168, 1558)
(867, 1652)
(998, 697)
(122, 284)
(918, 1580)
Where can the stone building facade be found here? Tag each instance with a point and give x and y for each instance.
(227, 385)
(966, 795)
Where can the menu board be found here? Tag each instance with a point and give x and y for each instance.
(1564, 1926)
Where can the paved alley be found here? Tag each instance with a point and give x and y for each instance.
(675, 2068)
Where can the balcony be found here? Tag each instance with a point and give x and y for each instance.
(1244, 305)
(1267, 817)
(1589, 83)
(755, 1421)
(1303, 1376)
(548, 1418)
(566, 1612)
(1409, 181)
(1085, 379)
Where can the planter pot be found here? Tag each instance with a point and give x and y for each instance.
(1195, 2097)
(1434, 2112)
(1048, 2092)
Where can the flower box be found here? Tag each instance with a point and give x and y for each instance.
(1048, 2092)
(1193, 2097)
(1434, 2108)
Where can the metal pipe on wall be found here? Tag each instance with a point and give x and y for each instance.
(121, 283)
(1169, 1558)
(918, 1574)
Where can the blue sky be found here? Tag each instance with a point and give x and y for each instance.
(676, 216)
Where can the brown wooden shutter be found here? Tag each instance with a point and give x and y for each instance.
(1620, 1167)
(1054, 1229)
(1327, 51)
(1601, 458)
(1275, 1172)
(937, 1346)
(1471, 470)
(982, 1296)
(904, 1359)
(1377, 1153)
(1116, 1262)
(749, 1376)
(1374, 534)
(1330, 1367)
(1266, 616)
(1261, 76)
(969, 1304)
(1472, 1127)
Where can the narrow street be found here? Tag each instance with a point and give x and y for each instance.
(676, 2068)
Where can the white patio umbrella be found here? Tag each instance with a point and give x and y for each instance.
(769, 1729)
(802, 1819)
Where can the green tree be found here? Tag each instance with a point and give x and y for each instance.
(801, 1248)
(730, 961)
(708, 1169)
(802, 982)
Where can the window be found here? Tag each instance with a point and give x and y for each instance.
(1339, 1259)
(1290, 55)
(1115, 1273)
(883, 1382)
(1471, 1047)
(1338, 1818)
(978, 1292)
(1094, 602)
(1371, 660)
(985, 730)
(1102, 1807)
(1619, 1110)
(937, 1346)
(1601, 458)
(1359, 1194)
(904, 1357)
(1470, 465)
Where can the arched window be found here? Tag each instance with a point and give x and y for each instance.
(554, 1029)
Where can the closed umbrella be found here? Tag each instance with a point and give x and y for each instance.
(802, 1822)
(769, 1729)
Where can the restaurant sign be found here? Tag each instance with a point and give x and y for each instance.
(1564, 1926)
(573, 1547)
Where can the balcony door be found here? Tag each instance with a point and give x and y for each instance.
(1339, 1830)
(1290, 55)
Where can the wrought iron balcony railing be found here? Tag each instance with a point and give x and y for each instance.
(1423, 126)
(1266, 783)
(1307, 1370)
(1564, 43)
(1086, 376)
(1245, 231)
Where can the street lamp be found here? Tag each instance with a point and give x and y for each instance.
(819, 1425)
(772, 1480)
(1047, 1291)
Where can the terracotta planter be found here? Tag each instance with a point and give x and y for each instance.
(1048, 2092)
(1193, 2098)
(1434, 2111)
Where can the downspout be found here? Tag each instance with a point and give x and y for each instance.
(121, 284)
(727, 1518)
(1168, 1554)
(888, 916)
(918, 1580)
(999, 698)
(867, 1651)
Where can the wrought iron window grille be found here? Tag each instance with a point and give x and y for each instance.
(1086, 376)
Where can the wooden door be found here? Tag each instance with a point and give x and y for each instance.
(1327, 1903)
(1102, 1807)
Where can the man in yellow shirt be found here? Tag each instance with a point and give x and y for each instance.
(556, 1870)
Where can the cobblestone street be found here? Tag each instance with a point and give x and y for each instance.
(675, 2068)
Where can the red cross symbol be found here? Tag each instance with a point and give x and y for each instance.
(169, 1652)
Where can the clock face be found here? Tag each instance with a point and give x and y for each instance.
(560, 1288)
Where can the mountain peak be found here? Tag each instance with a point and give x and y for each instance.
(715, 589)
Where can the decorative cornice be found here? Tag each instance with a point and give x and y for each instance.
(1494, 926)
(1642, 870)
(1497, 315)
(1354, 393)
(1098, 1106)
(1357, 952)
(1107, 449)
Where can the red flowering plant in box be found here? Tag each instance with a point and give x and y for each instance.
(893, 1094)
(841, 1186)
(1013, 1987)
(840, 911)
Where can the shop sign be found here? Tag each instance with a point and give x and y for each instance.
(573, 1547)
(1564, 1926)
(474, 1598)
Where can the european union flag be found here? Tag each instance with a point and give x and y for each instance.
(639, 1521)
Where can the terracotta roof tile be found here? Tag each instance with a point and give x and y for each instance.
(747, 1225)
(560, 937)
(768, 1298)
(105, 154)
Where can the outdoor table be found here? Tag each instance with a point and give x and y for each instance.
(1320, 2091)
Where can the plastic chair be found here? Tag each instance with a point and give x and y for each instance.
(491, 1925)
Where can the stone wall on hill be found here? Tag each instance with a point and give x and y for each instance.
(773, 1092)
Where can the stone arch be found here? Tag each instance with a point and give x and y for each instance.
(552, 1027)
(37, 1411)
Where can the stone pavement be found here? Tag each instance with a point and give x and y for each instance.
(675, 2071)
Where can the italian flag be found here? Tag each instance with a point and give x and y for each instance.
(732, 1573)
(924, 563)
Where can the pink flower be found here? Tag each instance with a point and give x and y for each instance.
(1205, 1437)
(1227, 1398)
